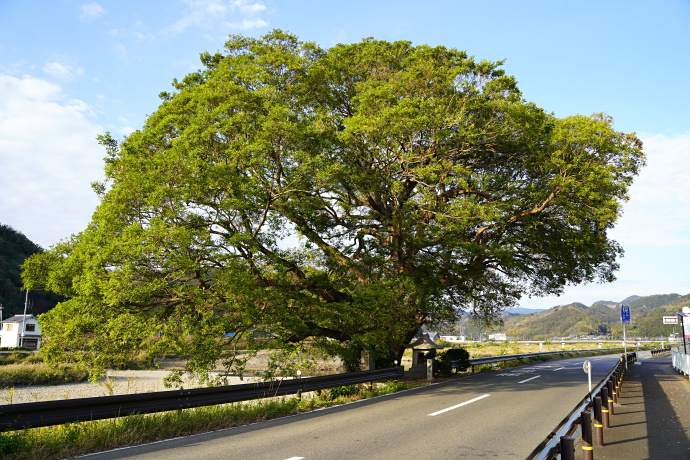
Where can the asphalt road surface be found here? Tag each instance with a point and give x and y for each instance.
(498, 415)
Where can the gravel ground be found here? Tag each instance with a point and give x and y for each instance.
(132, 382)
(124, 382)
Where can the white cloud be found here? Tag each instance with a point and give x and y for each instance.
(49, 158)
(209, 14)
(246, 8)
(658, 213)
(123, 129)
(121, 51)
(62, 71)
(247, 24)
(91, 11)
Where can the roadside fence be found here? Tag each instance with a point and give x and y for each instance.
(599, 404)
(37, 414)
(497, 359)
(659, 351)
(681, 361)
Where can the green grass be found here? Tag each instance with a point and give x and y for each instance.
(72, 439)
(21, 369)
(28, 373)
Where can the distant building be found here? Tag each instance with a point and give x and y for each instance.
(11, 332)
(453, 338)
(498, 337)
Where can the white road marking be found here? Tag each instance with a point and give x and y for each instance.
(535, 377)
(558, 369)
(295, 458)
(459, 405)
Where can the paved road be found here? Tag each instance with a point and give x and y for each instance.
(501, 414)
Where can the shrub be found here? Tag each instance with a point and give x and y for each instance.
(348, 390)
(454, 354)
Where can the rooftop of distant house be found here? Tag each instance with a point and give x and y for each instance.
(19, 318)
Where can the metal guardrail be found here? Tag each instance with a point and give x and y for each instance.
(658, 351)
(497, 359)
(550, 448)
(37, 414)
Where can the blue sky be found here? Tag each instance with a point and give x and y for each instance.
(70, 70)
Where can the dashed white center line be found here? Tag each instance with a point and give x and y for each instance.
(459, 405)
(535, 377)
(558, 369)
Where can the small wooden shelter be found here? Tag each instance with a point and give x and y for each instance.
(420, 347)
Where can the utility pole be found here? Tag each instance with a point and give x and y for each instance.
(26, 301)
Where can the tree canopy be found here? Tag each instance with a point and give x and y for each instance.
(345, 196)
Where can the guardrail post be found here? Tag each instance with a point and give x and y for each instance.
(617, 387)
(604, 393)
(567, 448)
(586, 421)
(611, 394)
(598, 422)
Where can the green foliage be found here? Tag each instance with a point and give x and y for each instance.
(337, 392)
(9, 444)
(414, 181)
(454, 354)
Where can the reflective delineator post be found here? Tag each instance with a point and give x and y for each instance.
(586, 421)
(609, 386)
(604, 394)
(299, 392)
(598, 422)
(616, 389)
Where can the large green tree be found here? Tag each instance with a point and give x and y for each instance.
(345, 196)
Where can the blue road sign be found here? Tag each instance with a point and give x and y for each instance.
(625, 314)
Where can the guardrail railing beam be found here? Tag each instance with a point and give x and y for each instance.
(37, 414)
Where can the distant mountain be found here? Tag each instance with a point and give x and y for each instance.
(602, 318)
(524, 311)
(651, 301)
(608, 303)
(15, 248)
(630, 299)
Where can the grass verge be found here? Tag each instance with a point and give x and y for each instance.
(72, 439)
(28, 373)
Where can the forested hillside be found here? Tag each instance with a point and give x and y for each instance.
(599, 319)
(14, 249)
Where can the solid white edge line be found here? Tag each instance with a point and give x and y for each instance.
(535, 377)
(459, 405)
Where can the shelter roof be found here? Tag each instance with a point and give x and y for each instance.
(423, 343)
